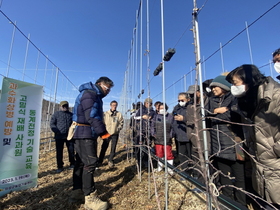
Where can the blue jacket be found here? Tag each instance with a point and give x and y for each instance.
(88, 110)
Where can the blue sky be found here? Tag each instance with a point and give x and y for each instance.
(88, 39)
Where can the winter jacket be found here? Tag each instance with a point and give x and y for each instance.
(223, 134)
(113, 122)
(145, 123)
(192, 129)
(179, 127)
(60, 123)
(263, 141)
(88, 112)
(157, 129)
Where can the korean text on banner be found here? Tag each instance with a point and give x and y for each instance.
(20, 114)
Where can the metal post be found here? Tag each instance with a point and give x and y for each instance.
(11, 49)
(198, 69)
(164, 102)
(25, 57)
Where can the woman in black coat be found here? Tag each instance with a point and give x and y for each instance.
(224, 137)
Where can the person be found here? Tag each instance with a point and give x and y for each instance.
(194, 125)
(157, 131)
(60, 123)
(88, 114)
(276, 61)
(180, 130)
(258, 99)
(113, 120)
(143, 119)
(224, 139)
(156, 105)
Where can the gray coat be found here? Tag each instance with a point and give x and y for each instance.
(264, 142)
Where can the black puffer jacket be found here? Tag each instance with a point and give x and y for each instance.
(223, 133)
(157, 129)
(180, 127)
(60, 123)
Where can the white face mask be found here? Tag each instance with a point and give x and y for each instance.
(182, 103)
(238, 91)
(277, 67)
(161, 111)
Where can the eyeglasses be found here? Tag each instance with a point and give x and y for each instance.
(106, 88)
(276, 52)
(181, 101)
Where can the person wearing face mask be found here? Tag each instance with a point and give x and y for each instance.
(113, 120)
(258, 99)
(180, 130)
(226, 138)
(194, 124)
(143, 118)
(157, 131)
(88, 114)
(276, 61)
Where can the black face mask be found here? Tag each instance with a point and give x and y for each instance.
(101, 90)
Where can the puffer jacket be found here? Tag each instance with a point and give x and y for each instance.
(179, 127)
(264, 142)
(157, 129)
(223, 134)
(60, 123)
(88, 111)
(113, 122)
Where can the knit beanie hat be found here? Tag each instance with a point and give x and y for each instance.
(220, 81)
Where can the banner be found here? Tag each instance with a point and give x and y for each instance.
(20, 114)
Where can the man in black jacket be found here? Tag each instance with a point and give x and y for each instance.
(60, 123)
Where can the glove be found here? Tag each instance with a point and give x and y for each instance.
(105, 136)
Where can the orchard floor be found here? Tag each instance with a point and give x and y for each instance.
(120, 186)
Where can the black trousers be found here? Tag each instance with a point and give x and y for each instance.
(235, 169)
(59, 143)
(114, 141)
(184, 150)
(86, 162)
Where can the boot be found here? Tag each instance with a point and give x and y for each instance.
(77, 196)
(170, 171)
(92, 202)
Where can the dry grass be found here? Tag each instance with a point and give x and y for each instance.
(120, 186)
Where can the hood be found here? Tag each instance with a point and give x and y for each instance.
(90, 86)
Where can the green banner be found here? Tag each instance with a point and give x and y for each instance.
(20, 114)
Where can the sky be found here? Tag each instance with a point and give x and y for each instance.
(87, 39)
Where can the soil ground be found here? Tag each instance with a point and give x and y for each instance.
(120, 186)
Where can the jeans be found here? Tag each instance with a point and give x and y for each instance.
(59, 143)
(86, 162)
(105, 144)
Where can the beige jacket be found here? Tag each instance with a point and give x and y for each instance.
(113, 123)
(264, 142)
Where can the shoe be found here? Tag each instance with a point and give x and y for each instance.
(160, 166)
(170, 171)
(77, 196)
(59, 170)
(92, 202)
(111, 164)
(71, 166)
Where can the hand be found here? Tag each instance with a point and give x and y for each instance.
(145, 117)
(178, 117)
(220, 110)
